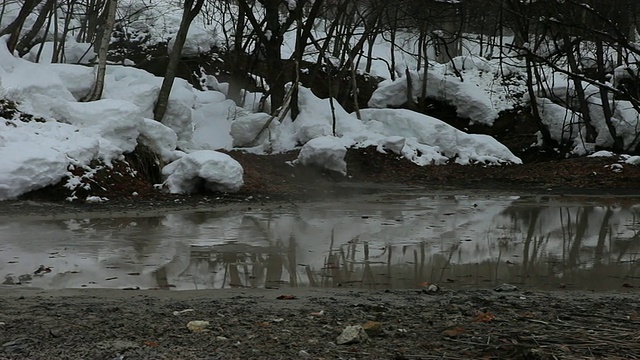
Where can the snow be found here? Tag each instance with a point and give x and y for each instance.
(212, 126)
(74, 52)
(160, 138)
(199, 40)
(115, 123)
(327, 152)
(436, 141)
(245, 129)
(197, 123)
(477, 94)
(35, 155)
(218, 171)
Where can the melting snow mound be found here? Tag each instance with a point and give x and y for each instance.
(218, 171)
(437, 140)
(327, 152)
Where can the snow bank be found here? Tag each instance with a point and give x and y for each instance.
(245, 129)
(327, 152)
(479, 96)
(115, 122)
(38, 154)
(567, 125)
(74, 52)
(316, 120)
(212, 125)
(199, 40)
(160, 138)
(434, 141)
(218, 172)
(34, 155)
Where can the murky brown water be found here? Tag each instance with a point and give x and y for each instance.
(395, 241)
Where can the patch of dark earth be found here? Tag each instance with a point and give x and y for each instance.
(255, 324)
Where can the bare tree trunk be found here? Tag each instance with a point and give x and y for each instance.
(98, 86)
(25, 43)
(604, 98)
(546, 135)
(354, 89)
(46, 32)
(16, 26)
(239, 70)
(191, 9)
(580, 94)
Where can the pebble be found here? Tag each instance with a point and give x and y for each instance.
(182, 312)
(372, 328)
(351, 335)
(506, 288)
(197, 325)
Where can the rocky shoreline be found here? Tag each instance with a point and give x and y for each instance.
(305, 323)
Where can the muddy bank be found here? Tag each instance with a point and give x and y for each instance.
(270, 178)
(252, 323)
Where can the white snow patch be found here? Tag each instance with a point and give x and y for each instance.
(602, 153)
(245, 129)
(160, 138)
(218, 171)
(212, 125)
(434, 141)
(327, 152)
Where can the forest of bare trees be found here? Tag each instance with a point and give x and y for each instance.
(592, 42)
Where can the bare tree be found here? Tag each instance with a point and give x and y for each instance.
(191, 9)
(98, 85)
(15, 27)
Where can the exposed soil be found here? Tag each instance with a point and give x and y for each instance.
(273, 178)
(254, 324)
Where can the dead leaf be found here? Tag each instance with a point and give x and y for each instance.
(424, 284)
(484, 317)
(42, 270)
(263, 324)
(151, 343)
(286, 297)
(454, 332)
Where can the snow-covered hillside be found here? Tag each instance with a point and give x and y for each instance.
(36, 154)
(70, 134)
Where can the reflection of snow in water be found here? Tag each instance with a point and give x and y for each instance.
(293, 244)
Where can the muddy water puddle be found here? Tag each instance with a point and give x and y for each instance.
(377, 242)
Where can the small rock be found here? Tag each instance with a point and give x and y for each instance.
(18, 345)
(182, 312)
(197, 325)
(303, 354)
(506, 288)
(351, 335)
(431, 289)
(372, 328)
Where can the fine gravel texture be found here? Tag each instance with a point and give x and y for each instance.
(304, 323)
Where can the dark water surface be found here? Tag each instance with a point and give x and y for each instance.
(382, 241)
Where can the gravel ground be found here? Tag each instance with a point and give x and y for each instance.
(256, 324)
